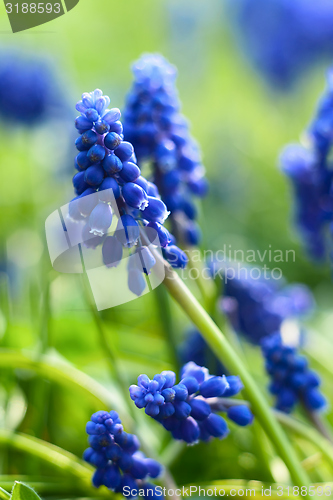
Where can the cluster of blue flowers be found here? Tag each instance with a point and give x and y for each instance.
(283, 38)
(107, 173)
(184, 409)
(116, 456)
(160, 134)
(27, 88)
(292, 380)
(310, 172)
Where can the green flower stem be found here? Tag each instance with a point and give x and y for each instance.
(4, 495)
(208, 289)
(231, 360)
(163, 304)
(261, 450)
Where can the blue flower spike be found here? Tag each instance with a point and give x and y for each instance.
(108, 175)
(184, 408)
(292, 381)
(160, 134)
(115, 455)
(309, 170)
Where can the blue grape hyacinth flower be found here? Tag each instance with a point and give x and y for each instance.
(115, 455)
(292, 381)
(106, 162)
(256, 308)
(28, 92)
(283, 39)
(184, 408)
(309, 169)
(160, 135)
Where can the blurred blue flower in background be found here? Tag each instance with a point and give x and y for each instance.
(283, 38)
(28, 88)
(309, 169)
(256, 308)
(116, 456)
(160, 134)
(184, 409)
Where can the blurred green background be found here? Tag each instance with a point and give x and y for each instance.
(241, 127)
(239, 124)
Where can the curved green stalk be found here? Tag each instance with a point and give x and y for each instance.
(308, 433)
(53, 455)
(262, 451)
(58, 372)
(231, 360)
(42, 484)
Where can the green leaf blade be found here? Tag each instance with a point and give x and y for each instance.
(22, 491)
